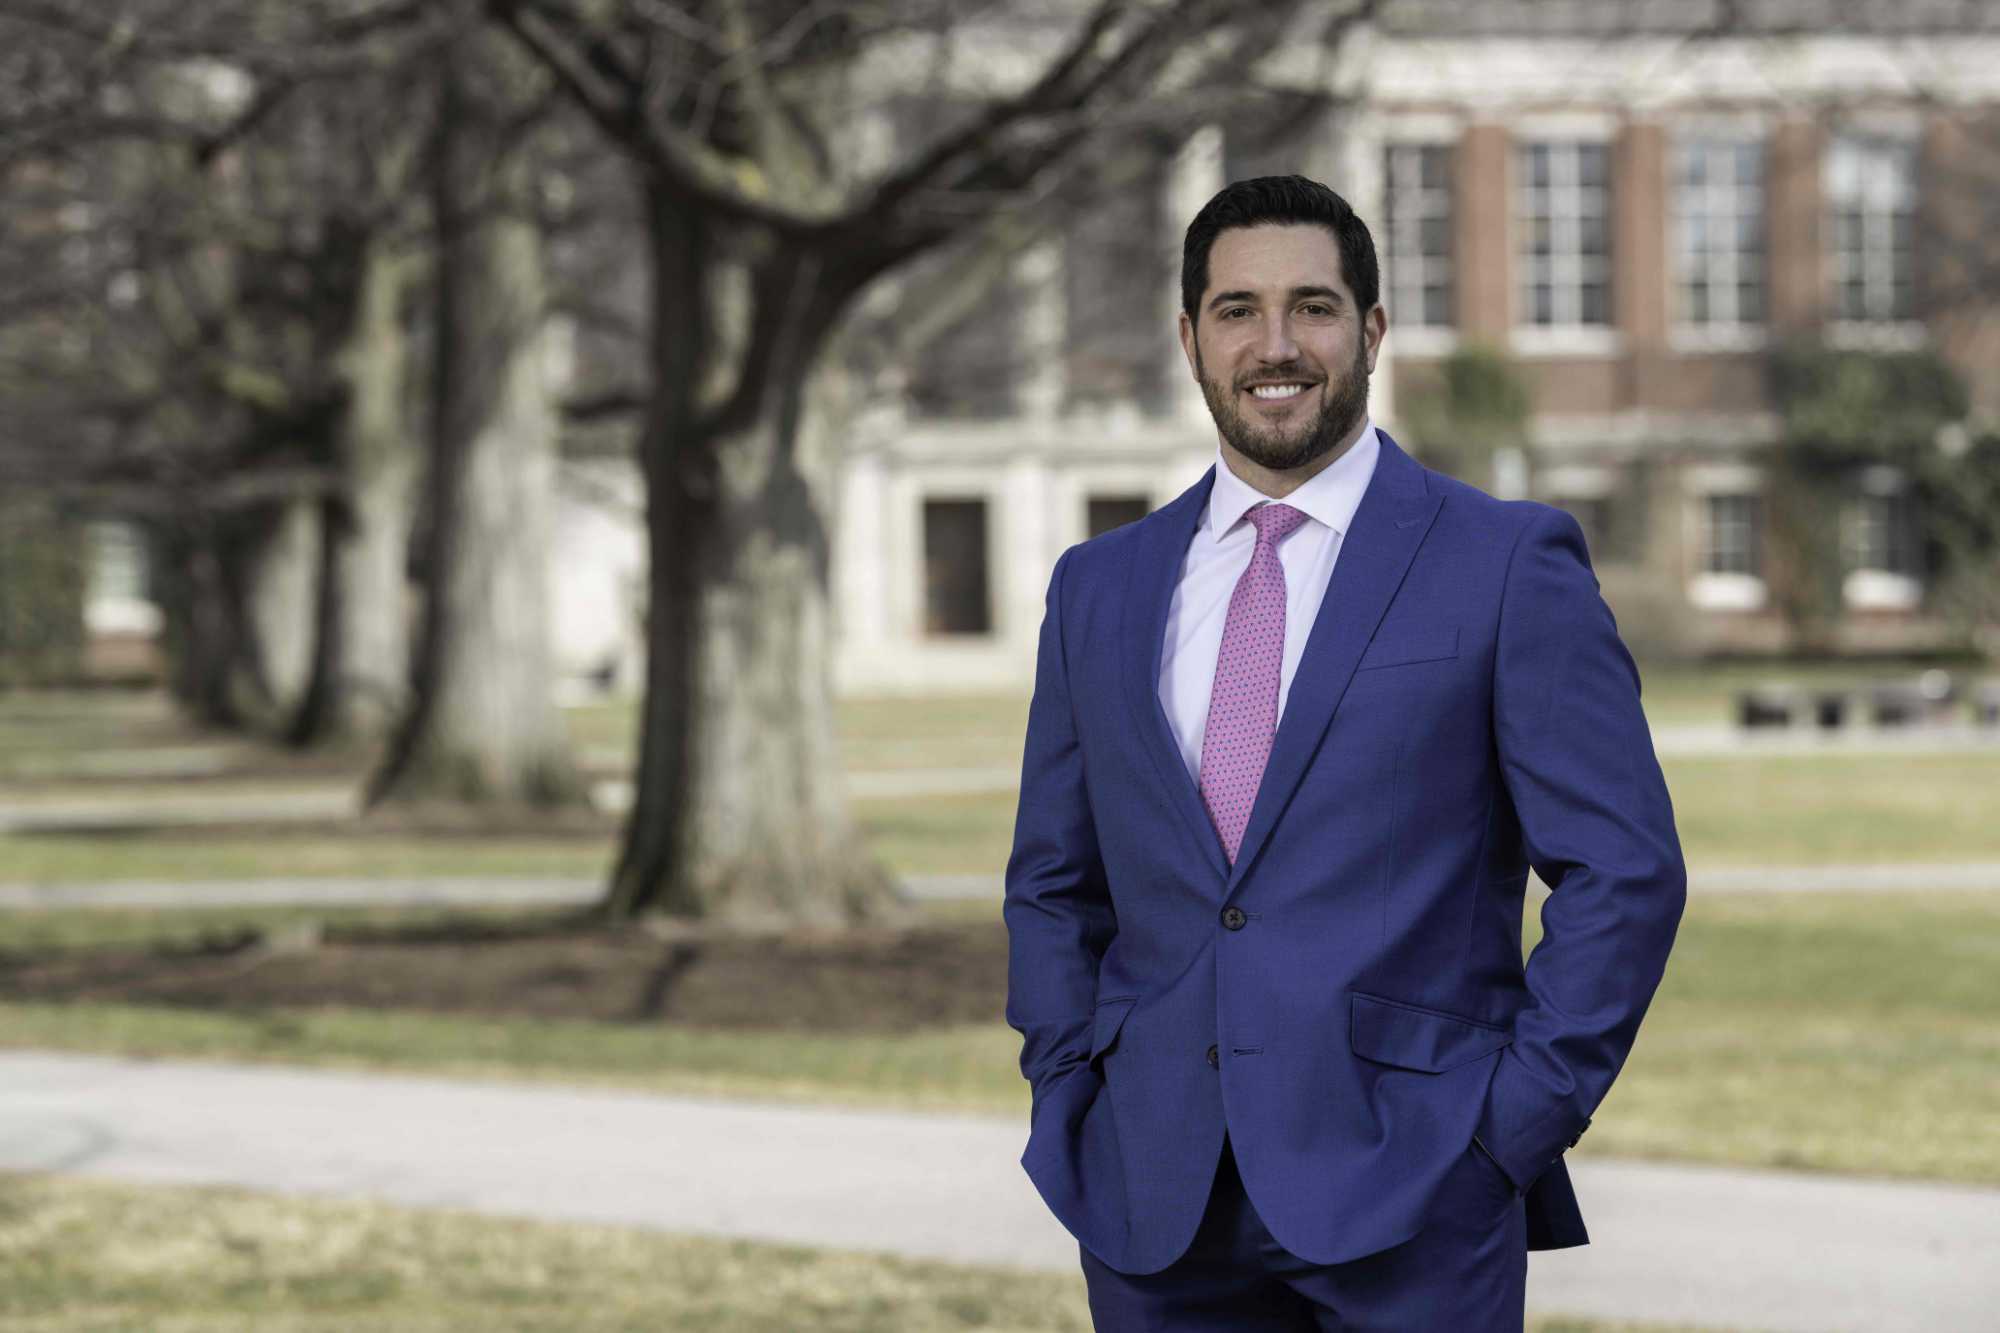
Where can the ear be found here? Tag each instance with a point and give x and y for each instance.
(1373, 325)
(1187, 345)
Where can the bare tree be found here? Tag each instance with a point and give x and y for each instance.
(222, 187)
(739, 119)
(483, 724)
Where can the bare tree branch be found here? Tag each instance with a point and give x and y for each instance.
(614, 95)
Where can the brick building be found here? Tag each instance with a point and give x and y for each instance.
(1633, 211)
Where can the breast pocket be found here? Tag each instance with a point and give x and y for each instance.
(1401, 647)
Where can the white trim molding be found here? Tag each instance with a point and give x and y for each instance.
(1861, 335)
(1880, 590)
(1727, 592)
(1559, 340)
(1422, 341)
(1717, 339)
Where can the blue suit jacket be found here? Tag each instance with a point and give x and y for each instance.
(1464, 709)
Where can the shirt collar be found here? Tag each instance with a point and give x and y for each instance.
(1330, 496)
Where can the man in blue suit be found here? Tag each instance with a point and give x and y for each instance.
(1296, 739)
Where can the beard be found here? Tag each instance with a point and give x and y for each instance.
(1343, 401)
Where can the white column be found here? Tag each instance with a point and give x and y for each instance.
(1354, 172)
(1027, 550)
(1194, 179)
(903, 551)
(861, 556)
(1039, 273)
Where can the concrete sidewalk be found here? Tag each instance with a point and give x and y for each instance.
(1683, 1244)
(503, 891)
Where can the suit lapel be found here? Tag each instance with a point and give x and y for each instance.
(1394, 516)
(1155, 571)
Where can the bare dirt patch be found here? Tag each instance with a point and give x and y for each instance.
(883, 979)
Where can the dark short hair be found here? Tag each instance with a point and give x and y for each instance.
(1280, 201)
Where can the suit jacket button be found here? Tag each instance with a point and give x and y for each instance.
(1214, 1058)
(1233, 918)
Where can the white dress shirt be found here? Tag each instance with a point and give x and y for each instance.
(1216, 559)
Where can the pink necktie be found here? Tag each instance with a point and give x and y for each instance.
(1243, 706)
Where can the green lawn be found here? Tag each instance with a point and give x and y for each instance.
(331, 852)
(1771, 810)
(1835, 809)
(1677, 693)
(1767, 809)
(85, 1256)
(1845, 1032)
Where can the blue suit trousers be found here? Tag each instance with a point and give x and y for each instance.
(1465, 1271)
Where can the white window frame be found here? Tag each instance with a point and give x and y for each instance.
(1879, 199)
(1406, 204)
(1721, 203)
(1708, 589)
(1568, 267)
(1874, 587)
(1568, 484)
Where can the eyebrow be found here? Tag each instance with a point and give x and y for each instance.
(1298, 293)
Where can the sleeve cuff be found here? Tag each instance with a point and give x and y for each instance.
(1496, 1163)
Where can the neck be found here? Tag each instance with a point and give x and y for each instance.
(1277, 483)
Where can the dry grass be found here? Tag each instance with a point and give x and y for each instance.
(82, 1256)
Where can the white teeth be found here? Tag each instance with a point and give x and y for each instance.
(1277, 390)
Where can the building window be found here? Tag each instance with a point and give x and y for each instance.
(1105, 512)
(956, 593)
(1881, 534)
(1718, 219)
(1871, 195)
(1417, 181)
(117, 566)
(1593, 514)
(1880, 545)
(1563, 208)
(1734, 539)
(1117, 258)
(974, 363)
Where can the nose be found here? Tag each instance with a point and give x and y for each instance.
(1275, 345)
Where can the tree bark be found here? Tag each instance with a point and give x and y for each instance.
(281, 583)
(740, 816)
(483, 725)
(215, 666)
(361, 660)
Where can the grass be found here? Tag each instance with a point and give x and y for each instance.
(79, 1256)
(41, 932)
(1682, 693)
(943, 1069)
(86, 1256)
(1771, 810)
(255, 853)
(1767, 809)
(1799, 810)
(1837, 809)
(1836, 1032)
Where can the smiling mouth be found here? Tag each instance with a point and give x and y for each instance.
(1277, 392)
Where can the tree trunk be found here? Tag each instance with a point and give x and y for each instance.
(281, 584)
(361, 660)
(215, 668)
(483, 725)
(740, 816)
(1802, 553)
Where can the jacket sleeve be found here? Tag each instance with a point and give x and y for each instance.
(1597, 825)
(1058, 908)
